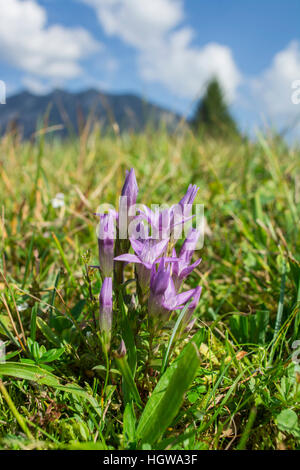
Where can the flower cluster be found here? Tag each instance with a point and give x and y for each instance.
(160, 271)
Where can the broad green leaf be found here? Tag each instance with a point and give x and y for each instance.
(29, 372)
(52, 355)
(287, 421)
(129, 422)
(41, 376)
(166, 399)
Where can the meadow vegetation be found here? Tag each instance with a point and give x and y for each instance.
(245, 393)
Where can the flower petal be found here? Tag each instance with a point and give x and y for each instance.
(129, 258)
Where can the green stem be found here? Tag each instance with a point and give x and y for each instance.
(107, 372)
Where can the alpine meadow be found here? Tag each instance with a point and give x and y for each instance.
(144, 342)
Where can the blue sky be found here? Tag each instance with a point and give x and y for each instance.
(164, 50)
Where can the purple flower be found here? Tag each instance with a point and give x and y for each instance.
(126, 211)
(192, 307)
(106, 309)
(190, 196)
(147, 252)
(164, 222)
(163, 297)
(122, 351)
(130, 188)
(182, 267)
(106, 235)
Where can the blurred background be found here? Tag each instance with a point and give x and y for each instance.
(131, 62)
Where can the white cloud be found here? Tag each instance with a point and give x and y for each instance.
(138, 23)
(111, 65)
(185, 69)
(273, 88)
(35, 85)
(27, 43)
(165, 51)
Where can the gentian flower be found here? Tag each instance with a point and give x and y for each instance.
(128, 199)
(191, 308)
(147, 252)
(163, 222)
(130, 188)
(122, 351)
(159, 271)
(163, 297)
(127, 202)
(181, 266)
(106, 235)
(106, 308)
(189, 197)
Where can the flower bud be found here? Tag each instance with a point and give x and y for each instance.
(106, 235)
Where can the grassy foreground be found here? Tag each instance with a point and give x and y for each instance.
(246, 393)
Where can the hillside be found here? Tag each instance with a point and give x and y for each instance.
(71, 111)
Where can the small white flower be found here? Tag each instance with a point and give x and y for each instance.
(58, 201)
(22, 307)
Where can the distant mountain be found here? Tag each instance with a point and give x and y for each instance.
(72, 110)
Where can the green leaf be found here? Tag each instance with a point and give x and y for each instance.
(41, 376)
(287, 421)
(47, 332)
(34, 313)
(129, 423)
(29, 372)
(128, 378)
(52, 355)
(77, 310)
(166, 399)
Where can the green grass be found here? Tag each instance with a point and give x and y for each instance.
(245, 394)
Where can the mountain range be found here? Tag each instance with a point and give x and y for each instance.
(66, 113)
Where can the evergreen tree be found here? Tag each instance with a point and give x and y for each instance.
(212, 116)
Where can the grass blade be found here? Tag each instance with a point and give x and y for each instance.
(126, 372)
(247, 430)
(34, 312)
(179, 319)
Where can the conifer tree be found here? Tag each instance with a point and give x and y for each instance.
(212, 116)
